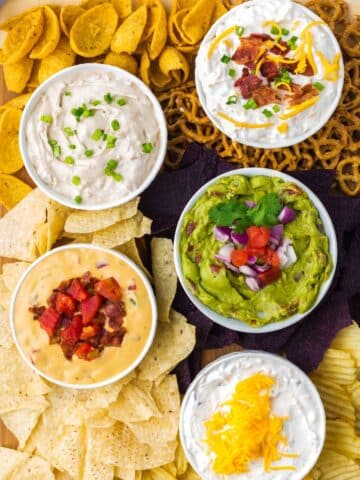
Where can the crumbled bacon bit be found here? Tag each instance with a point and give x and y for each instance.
(249, 50)
(279, 51)
(265, 95)
(215, 268)
(247, 83)
(301, 93)
(190, 227)
(269, 70)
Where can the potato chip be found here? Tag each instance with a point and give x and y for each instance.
(12, 190)
(16, 75)
(218, 12)
(341, 437)
(19, 225)
(123, 7)
(197, 22)
(6, 338)
(17, 102)
(120, 233)
(92, 31)
(122, 60)
(334, 466)
(41, 239)
(91, 221)
(174, 341)
(348, 340)
(35, 468)
(62, 57)
(68, 15)
(181, 462)
(21, 423)
(12, 272)
(165, 278)
(9, 460)
(23, 35)
(10, 156)
(338, 366)
(128, 35)
(50, 35)
(130, 249)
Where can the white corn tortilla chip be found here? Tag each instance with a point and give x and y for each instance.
(35, 468)
(131, 250)
(6, 338)
(21, 423)
(9, 460)
(56, 217)
(12, 272)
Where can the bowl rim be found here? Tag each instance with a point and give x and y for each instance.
(154, 317)
(122, 74)
(282, 143)
(255, 354)
(239, 325)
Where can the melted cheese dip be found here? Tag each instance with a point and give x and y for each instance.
(293, 396)
(38, 286)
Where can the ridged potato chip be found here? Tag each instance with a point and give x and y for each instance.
(128, 36)
(93, 31)
(68, 15)
(123, 7)
(122, 60)
(23, 35)
(348, 340)
(62, 57)
(16, 75)
(10, 156)
(12, 190)
(339, 366)
(334, 466)
(341, 437)
(50, 36)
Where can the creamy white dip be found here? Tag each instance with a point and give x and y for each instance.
(128, 136)
(214, 84)
(293, 396)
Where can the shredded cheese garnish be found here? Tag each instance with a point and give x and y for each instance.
(310, 26)
(304, 51)
(273, 24)
(278, 59)
(288, 87)
(243, 124)
(228, 43)
(258, 66)
(331, 73)
(295, 24)
(218, 39)
(244, 429)
(283, 128)
(309, 46)
(296, 109)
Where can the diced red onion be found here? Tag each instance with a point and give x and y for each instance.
(251, 259)
(252, 283)
(250, 203)
(287, 215)
(222, 233)
(101, 264)
(225, 252)
(261, 268)
(231, 267)
(291, 254)
(277, 231)
(248, 271)
(239, 238)
(283, 258)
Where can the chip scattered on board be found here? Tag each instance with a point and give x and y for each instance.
(68, 15)
(128, 35)
(198, 20)
(41, 239)
(10, 156)
(22, 422)
(122, 60)
(62, 57)
(16, 75)
(123, 8)
(17, 102)
(12, 272)
(34, 468)
(12, 190)
(6, 338)
(50, 35)
(56, 215)
(131, 250)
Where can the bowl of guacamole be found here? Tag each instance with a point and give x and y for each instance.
(255, 250)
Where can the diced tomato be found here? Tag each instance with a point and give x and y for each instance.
(258, 236)
(109, 288)
(71, 334)
(64, 303)
(77, 291)
(89, 331)
(239, 257)
(48, 320)
(89, 308)
(255, 251)
(270, 276)
(83, 350)
(271, 257)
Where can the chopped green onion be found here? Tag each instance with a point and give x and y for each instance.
(95, 102)
(70, 160)
(78, 112)
(78, 199)
(267, 113)
(232, 100)
(276, 108)
(115, 125)
(105, 136)
(108, 171)
(274, 30)
(57, 150)
(231, 73)
(319, 86)
(112, 164)
(72, 146)
(225, 59)
(97, 134)
(89, 113)
(117, 177)
(110, 141)
(46, 118)
(147, 147)
(292, 42)
(89, 153)
(108, 98)
(285, 31)
(69, 131)
(284, 77)
(76, 180)
(52, 142)
(239, 31)
(250, 104)
(121, 102)
(67, 93)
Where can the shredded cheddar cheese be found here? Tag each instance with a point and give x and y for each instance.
(218, 39)
(304, 51)
(278, 59)
(308, 27)
(243, 124)
(309, 46)
(244, 429)
(258, 66)
(331, 68)
(284, 84)
(296, 109)
(228, 43)
(283, 128)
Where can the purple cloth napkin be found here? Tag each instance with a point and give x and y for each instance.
(304, 343)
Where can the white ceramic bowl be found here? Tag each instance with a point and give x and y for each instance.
(205, 395)
(147, 346)
(232, 323)
(122, 75)
(234, 16)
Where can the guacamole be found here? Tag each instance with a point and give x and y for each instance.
(227, 291)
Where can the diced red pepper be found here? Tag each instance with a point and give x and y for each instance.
(258, 236)
(89, 308)
(48, 321)
(64, 303)
(239, 257)
(270, 276)
(109, 289)
(271, 257)
(83, 351)
(77, 291)
(71, 334)
(89, 331)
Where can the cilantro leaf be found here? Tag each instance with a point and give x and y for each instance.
(224, 214)
(266, 211)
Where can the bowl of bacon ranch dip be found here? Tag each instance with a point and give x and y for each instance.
(93, 136)
(269, 74)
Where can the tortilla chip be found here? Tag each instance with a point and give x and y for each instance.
(219, 11)
(12, 272)
(122, 60)
(20, 224)
(181, 462)
(197, 22)
(103, 396)
(174, 341)
(35, 468)
(122, 232)
(165, 278)
(68, 15)
(17, 102)
(174, 64)
(123, 7)
(21, 423)
(91, 221)
(12, 190)
(62, 57)
(130, 249)
(87, 4)
(56, 218)
(69, 450)
(93, 31)
(159, 23)
(10, 156)
(94, 470)
(9, 460)
(16, 75)
(145, 64)
(41, 239)
(50, 36)
(6, 338)
(5, 295)
(128, 35)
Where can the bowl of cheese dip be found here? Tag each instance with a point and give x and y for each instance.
(252, 415)
(93, 136)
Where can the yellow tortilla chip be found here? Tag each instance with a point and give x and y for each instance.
(21, 423)
(174, 64)
(159, 25)
(62, 57)
(87, 4)
(50, 36)
(17, 102)
(123, 7)
(165, 278)
(129, 34)
(56, 218)
(145, 64)
(198, 20)
(93, 31)
(33, 82)
(12, 272)
(131, 250)
(122, 60)
(68, 15)
(12, 190)
(10, 156)
(6, 338)
(16, 75)
(41, 239)
(122, 232)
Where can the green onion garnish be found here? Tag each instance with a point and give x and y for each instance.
(285, 31)
(115, 125)
(97, 135)
(78, 112)
(250, 104)
(46, 118)
(232, 100)
(112, 164)
(267, 113)
(292, 42)
(76, 180)
(147, 147)
(72, 146)
(319, 86)
(239, 31)
(78, 199)
(105, 136)
(276, 108)
(117, 177)
(89, 113)
(121, 102)
(274, 30)
(57, 150)
(95, 102)
(67, 93)
(69, 131)
(108, 171)
(111, 141)
(231, 73)
(70, 160)
(108, 98)
(89, 153)
(225, 59)
(52, 142)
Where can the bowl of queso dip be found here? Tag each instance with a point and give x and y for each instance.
(83, 316)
